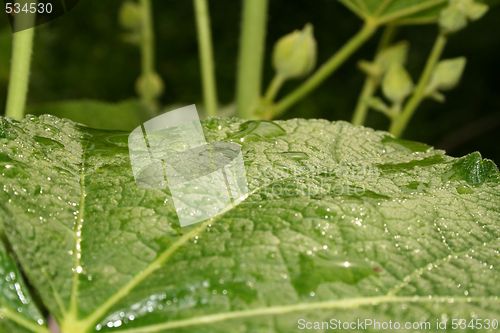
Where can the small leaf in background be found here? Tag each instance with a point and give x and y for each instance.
(397, 83)
(475, 10)
(294, 55)
(447, 74)
(370, 68)
(454, 17)
(437, 96)
(378, 104)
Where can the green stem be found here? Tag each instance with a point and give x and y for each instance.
(361, 110)
(399, 124)
(371, 84)
(328, 68)
(273, 88)
(148, 54)
(387, 37)
(206, 57)
(22, 46)
(251, 56)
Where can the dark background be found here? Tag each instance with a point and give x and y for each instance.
(82, 56)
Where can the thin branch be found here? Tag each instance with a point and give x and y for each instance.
(328, 68)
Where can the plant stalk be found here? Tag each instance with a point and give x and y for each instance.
(273, 88)
(22, 46)
(328, 68)
(148, 53)
(371, 84)
(251, 56)
(361, 111)
(206, 57)
(399, 124)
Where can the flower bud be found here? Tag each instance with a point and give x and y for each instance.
(397, 83)
(294, 55)
(151, 88)
(130, 15)
(394, 53)
(447, 74)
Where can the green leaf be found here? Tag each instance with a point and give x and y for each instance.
(18, 312)
(407, 11)
(392, 10)
(475, 10)
(452, 19)
(342, 222)
(125, 115)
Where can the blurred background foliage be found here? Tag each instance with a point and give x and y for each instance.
(82, 56)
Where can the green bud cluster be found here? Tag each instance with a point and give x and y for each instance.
(151, 86)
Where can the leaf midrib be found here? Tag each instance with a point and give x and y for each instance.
(73, 308)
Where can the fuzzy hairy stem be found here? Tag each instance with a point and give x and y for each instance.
(251, 56)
